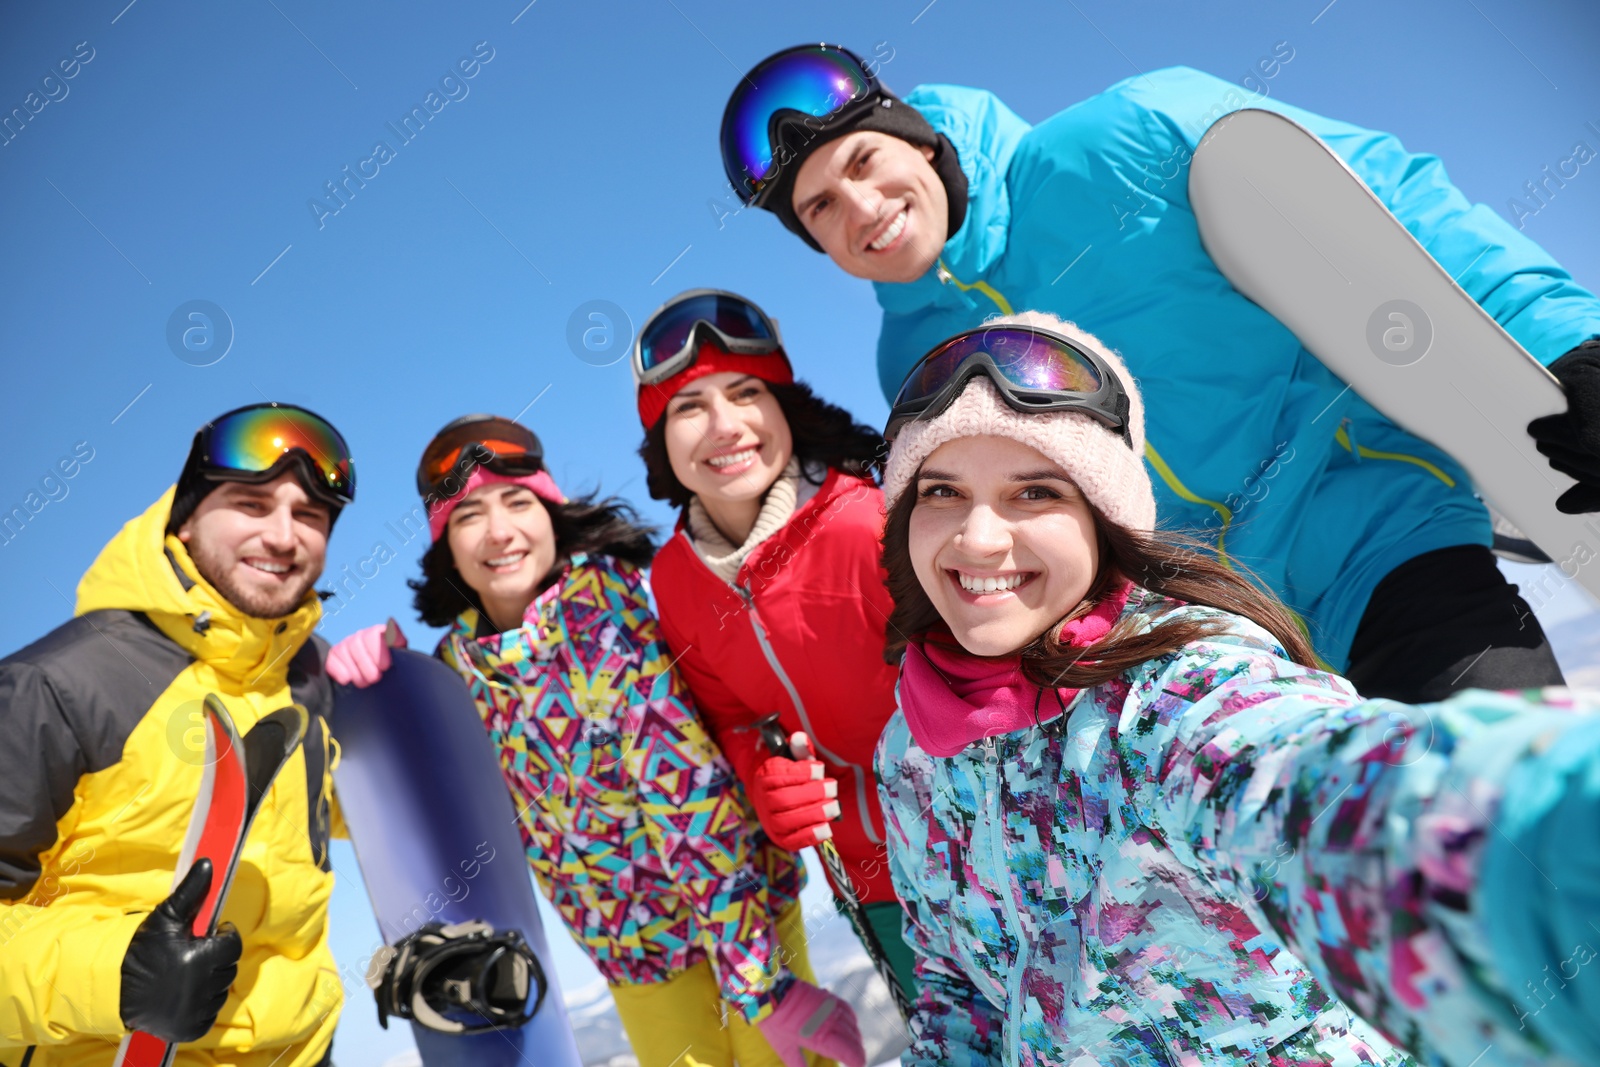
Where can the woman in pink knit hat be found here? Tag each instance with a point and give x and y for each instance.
(1130, 819)
(631, 817)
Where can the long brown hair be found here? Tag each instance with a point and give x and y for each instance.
(1173, 565)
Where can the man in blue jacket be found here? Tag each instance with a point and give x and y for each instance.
(957, 210)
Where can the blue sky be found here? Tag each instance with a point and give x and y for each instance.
(578, 163)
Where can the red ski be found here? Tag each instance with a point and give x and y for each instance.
(238, 772)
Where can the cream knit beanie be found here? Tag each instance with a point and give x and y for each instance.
(1098, 460)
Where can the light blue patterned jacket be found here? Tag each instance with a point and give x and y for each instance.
(1201, 860)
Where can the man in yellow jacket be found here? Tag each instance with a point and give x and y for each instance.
(209, 591)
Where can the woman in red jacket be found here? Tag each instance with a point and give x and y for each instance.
(770, 591)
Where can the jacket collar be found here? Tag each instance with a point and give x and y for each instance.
(985, 134)
(509, 656)
(833, 483)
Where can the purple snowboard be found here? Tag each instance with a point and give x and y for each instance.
(435, 832)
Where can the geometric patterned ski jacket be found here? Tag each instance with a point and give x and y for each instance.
(1207, 859)
(632, 820)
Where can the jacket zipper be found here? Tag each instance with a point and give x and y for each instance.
(799, 706)
(995, 823)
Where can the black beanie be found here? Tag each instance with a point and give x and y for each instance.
(887, 114)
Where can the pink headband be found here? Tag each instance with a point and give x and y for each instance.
(542, 485)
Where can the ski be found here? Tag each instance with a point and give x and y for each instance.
(238, 772)
(833, 863)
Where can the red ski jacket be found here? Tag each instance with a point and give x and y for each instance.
(799, 633)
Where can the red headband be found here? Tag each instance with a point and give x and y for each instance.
(711, 359)
(542, 485)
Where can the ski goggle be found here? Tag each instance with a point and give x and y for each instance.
(1034, 371)
(248, 444)
(501, 445)
(670, 339)
(807, 85)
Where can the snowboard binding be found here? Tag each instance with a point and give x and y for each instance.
(458, 968)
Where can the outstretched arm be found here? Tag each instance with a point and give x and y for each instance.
(1506, 272)
(1372, 836)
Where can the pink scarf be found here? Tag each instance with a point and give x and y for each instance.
(952, 698)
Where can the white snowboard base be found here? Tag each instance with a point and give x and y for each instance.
(1295, 230)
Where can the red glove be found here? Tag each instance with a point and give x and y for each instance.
(794, 799)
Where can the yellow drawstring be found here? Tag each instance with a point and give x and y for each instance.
(1400, 457)
(1167, 475)
(980, 285)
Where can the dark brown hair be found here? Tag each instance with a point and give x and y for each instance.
(1170, 564)
(823, 434)
(608, 527)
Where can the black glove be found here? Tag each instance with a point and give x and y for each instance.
(1571, 439)
(174, 983)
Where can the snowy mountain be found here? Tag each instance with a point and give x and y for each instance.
(1577, 645)
(842, 967)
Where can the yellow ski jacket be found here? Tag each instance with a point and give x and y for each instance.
(101, 746)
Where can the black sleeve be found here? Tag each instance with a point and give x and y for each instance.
(41, 761)
(67, 705)
(310, 686)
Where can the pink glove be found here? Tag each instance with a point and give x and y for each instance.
(794, 799)
(814, 1019)
(361, 658)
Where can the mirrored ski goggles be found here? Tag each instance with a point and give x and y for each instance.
(1034, 371)
(670, 339)
(809, 82)
(249, 444)
(501, 445)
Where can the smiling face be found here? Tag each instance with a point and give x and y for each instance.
(875, 205)
(1001, 540)
(728, 441)
(260, 546)
(504, 545)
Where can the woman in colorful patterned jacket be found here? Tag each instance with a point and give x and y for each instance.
(770, 591)
(1130, 820)
(634, 825)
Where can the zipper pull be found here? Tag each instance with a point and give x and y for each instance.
(1355, 447)
(991, 755)
(944, 275)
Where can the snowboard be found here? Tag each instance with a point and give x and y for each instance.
(1298, 232)
(237, 773)
(435, 833)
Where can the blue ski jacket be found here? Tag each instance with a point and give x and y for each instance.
(1220, 856)
(1252, 441)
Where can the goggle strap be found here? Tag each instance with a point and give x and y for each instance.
(310, 475)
